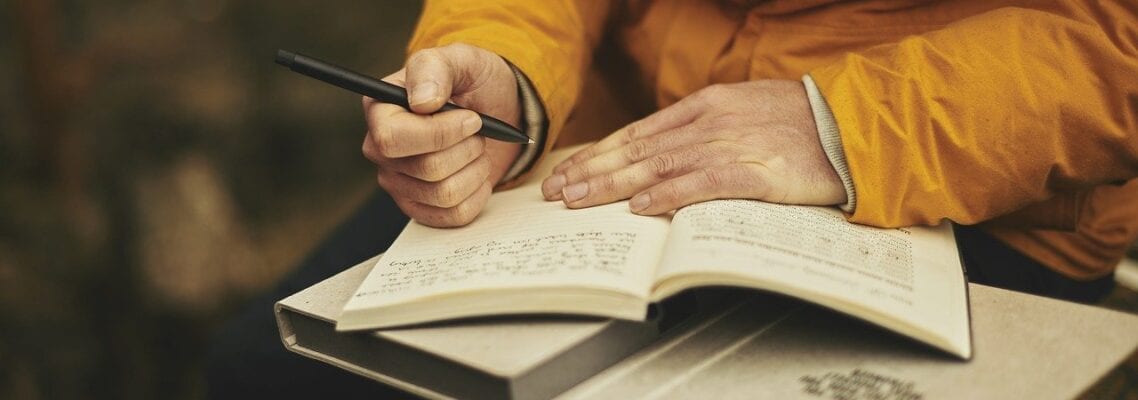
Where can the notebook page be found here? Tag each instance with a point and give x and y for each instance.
(520, 240)
(911, 274)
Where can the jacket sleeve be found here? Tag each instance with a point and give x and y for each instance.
(550, 41)
(990, 114)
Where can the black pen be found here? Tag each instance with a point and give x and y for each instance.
(385, 92)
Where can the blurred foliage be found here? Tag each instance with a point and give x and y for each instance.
(156, 169)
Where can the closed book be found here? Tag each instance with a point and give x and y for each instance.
(518, 358)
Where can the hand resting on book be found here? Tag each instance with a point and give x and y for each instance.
(754, 140)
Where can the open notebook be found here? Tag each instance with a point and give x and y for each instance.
(524, 255)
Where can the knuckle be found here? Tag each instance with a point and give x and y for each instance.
(384, 182)
(408, 208)
(438, 139)
(583, 155)
(435, 218)
(424, 55)
(462, 49)
(456, 55)
(385, 140)
(711, 178)
(634, 130)
(759, 183)
(431, 168)
(662, 166)
(606, 184)
(462, 214)
(577, 172)
(636, 150)
(447, 193)
(368, 150)
(460, 218)
(476, 146)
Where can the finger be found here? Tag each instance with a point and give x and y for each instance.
(720, 182)
(459, 215)
(434, 167)
(623, 183)
(399, 133)
(613, 140)
(674, 116)
(371, 151)
(621, 157)
(430, 79)
(446, 193)
(397, 78)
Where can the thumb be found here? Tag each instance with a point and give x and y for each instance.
(430, 80)
(434, 75)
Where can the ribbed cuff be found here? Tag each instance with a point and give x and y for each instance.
(831, 140)
(534, 124)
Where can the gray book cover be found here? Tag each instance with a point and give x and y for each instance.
(519, 358)
(1026, 347)
(751, 345)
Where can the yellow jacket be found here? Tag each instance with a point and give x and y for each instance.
(1022, 115)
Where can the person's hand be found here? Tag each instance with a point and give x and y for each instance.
(754, 140)
(432, 165)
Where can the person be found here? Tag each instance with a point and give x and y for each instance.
(1015, 120)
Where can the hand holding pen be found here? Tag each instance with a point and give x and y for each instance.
(429, 159)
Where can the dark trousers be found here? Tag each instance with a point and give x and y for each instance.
(991, 262)
(247, 359)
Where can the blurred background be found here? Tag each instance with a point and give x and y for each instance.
(157, 169)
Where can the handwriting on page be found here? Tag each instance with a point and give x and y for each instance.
(589, 252)
(808, 233)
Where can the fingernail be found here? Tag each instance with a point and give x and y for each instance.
(424, 92)
(575, 192)
(472, 124)
(640, 202)
(554, 184)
